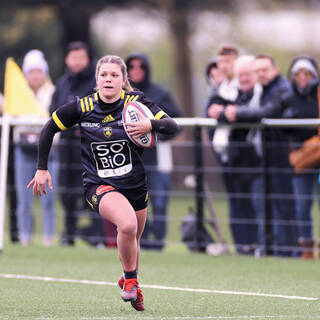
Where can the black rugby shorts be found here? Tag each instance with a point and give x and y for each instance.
(138, 197)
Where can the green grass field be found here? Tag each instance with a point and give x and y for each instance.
(227, 279)
(175, 267)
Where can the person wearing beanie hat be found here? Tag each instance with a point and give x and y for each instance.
(304, 76)
(34, 59)
(36, 71)
(306, 63)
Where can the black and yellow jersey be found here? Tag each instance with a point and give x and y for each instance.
(108, 155)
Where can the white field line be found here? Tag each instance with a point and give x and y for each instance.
(103, 283)
(196, 318)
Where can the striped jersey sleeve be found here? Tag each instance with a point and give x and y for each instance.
(67, 115)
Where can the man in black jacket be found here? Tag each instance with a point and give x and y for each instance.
(157, 160)
(281, 207)
(78, 80)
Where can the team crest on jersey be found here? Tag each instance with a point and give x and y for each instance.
(107, 132)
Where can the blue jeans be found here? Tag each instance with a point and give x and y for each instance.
(25, 168)
(159, 185)
(303, 187)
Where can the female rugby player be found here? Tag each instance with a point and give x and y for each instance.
(114, 176)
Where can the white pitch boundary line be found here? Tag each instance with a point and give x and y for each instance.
(232, 292)
(103, 283)
(194, 318)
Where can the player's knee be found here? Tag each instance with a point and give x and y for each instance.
(129, 228)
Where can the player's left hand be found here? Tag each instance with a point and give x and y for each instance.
(139, 128)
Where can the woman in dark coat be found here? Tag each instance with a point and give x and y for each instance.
(304, 76)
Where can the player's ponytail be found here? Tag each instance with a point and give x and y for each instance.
(127, 85)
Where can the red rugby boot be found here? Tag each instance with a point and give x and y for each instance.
(121, 282)
(129, 291)
(138, 303)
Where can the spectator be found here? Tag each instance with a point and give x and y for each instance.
(35, 69)
(304, 76)
(279, 185)
(227, 54)
(213, 75)
(157, 160)
(241, 156)
(12, 196)
(78, 80)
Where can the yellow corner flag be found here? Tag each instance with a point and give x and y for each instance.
(19, 98)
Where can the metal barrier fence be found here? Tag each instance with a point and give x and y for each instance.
(201, 164)
(277, 223)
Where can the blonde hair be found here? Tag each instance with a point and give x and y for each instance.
(116, 60)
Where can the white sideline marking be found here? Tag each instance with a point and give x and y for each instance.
(232, 292)
(103, 283)
(194, 318)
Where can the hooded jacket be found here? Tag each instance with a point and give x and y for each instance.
(158, 95)
(303, 103)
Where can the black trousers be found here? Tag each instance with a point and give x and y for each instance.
(243, 218)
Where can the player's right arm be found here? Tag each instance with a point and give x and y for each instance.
(63, 118)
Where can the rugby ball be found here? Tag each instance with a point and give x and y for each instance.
(133, 112)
